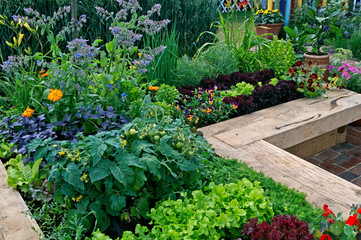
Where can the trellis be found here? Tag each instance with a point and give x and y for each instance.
(239, 5)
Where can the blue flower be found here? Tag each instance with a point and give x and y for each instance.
(327, 28)
(123, 95)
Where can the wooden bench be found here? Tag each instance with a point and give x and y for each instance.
(303, 127)
(14, 224)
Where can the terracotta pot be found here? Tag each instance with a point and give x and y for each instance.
(269, 28)
(323, 61)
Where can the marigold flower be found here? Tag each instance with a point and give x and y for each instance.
(44, 75)
(28, 112)
(55, 95)
(153, 88)
(42, 71)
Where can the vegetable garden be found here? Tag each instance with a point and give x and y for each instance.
(101, 115)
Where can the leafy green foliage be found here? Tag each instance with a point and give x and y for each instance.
(99, 236)
(24, 176)
(120, 173)
(284, 200)
(53, 220)
(192, 71)
(279, 56)
(241, 88)
(217, 212)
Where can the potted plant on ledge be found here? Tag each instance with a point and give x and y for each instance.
(268, 23)
(317, 33)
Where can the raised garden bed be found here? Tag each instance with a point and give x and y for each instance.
(259, 138)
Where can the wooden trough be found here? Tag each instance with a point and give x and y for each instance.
(14, 224)
(269, 140)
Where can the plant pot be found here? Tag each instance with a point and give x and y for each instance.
(323, 61)
(269, 28)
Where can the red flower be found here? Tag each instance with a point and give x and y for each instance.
(325, 237)
(314, 76)
(330, 220)
(327, 211)
(352, 220)
(298, 64)
(290, 70)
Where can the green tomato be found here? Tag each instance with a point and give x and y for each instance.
(132, 132)
(179, 145)
(156, 137)
(191, 153)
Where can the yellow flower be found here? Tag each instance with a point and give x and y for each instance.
(124, 143)
(77, 199)
(61, 153)
(266, 12)
(257, 12)
(139, 54)
(55, 95)
(261, 11)
(28, 112)
(276, 10)
(84, 177)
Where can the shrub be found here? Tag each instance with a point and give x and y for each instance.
(121, 172)
(283, 227)
(191, 71)
(218, 212)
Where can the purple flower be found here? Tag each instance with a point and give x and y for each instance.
(312, 26)
(327, 28)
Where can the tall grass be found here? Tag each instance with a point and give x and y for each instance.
(165, 64)
(192, 17)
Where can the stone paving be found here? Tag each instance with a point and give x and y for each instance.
(344, 159)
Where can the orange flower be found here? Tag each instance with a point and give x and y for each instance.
(28, 112)
(42, 71)
(153, 88)
(55, 95)
(44, 75)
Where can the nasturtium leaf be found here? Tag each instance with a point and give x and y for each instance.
(72, 176)
(101, 171)
(348, 230)
(337, 227)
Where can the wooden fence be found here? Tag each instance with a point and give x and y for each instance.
(284, 6)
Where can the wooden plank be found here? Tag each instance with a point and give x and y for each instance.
(295, 124)
(320, 186)
(341, 135)
(15, 224)
(261, 115)
(315, 145)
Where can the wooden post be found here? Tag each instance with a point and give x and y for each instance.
(288, 11)
(74, 16)
(270, 4)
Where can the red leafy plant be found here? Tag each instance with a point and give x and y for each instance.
(283, 227)
(336, 228)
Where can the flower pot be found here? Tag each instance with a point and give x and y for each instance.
(268, 28)
(323, 61)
